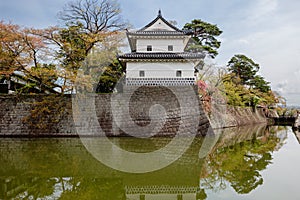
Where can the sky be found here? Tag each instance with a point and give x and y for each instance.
(268, 31)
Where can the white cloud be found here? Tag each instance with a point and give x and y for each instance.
(243, 41)
(269, 34)
(281, 86)
(260, 10)
(266, 6)
(297, 73)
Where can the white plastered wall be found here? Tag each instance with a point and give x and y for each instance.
(160, 45)
(160, 70)
(159, 24)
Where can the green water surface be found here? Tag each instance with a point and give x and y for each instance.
(245, 163)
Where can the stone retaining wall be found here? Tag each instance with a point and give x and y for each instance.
(224, 116)
(159, 111)
(137, 111)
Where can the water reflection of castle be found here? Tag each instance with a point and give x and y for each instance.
(162, 192)
(62, 167)
(69, 169)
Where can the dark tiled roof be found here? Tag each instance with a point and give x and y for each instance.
(183, 55)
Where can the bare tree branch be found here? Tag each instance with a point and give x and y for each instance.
(94, 15)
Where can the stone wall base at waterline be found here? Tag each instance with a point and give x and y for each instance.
(224, 116)
(142, 111)
(137, 111)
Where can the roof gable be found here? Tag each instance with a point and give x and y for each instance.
(159, 24)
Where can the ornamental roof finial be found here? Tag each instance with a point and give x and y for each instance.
(159, 13)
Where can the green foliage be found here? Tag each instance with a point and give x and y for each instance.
(27, 88)
(243, 87)
(47, 111)
(235, 93)
(243, 67)
(242, 170)
(96, 188)
(259, 83)
(239, 95)
(73, 47)
(110, 77)
(287, 112)
(204, 37)
(47, 56)
(88, 24)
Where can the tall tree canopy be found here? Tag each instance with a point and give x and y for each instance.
(243, 86)
(51, 57)
(110, 77)
(93, 18)
(243, 67)
(246, 70)
(88, 22)
(204, 37)
(243, 170)
(24, 52)
(94, 15)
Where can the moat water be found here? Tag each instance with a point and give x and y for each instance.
(244, 163)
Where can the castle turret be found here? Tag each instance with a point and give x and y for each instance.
(158, 55)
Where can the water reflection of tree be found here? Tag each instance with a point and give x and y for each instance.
(66, 188)
(239, 165)
(39, 187)
(95, 188)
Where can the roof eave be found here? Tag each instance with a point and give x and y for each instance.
(132, 43)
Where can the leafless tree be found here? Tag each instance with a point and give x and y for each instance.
(94, 15)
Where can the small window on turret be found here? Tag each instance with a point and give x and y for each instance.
(178, 73)
(149, 48)
(142, 73)
(170, 48)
